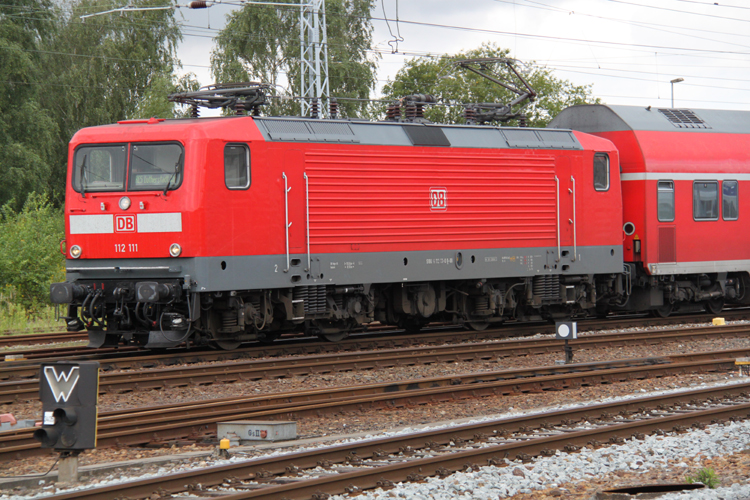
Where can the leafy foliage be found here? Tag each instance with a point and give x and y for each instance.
(26, 133)
(454, 86)
(262, 44)
(106, 68)
(29, 261)
(706, 476)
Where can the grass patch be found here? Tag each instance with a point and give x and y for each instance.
(15, 319)
(706, 476)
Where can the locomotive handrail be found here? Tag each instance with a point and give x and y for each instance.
(557, 200)
(307, 218)
(575, 256)
(287, 224)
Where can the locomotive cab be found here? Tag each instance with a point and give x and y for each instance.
(126, 208)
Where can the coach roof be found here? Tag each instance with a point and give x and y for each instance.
(592, 118)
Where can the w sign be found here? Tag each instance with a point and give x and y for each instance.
(62, 381)
(69, 394)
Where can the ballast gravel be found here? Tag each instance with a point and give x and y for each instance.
(686, 452)
(654, 451)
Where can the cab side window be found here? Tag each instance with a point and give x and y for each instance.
(706, 200)
(237, 166)
(601, 172)
(665, 201)
(730, 209)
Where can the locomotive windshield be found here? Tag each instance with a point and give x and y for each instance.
(109, 167)
(100, 168)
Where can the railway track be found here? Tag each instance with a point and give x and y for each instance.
(195, 420)
(382, 462)
(375, 337)
(133, 358)
(8, 340)
(140, 374)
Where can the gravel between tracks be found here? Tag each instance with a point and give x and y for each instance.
(381, 420)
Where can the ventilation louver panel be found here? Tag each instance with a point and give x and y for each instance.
(547, 287)
(314, 298)
(683, 118)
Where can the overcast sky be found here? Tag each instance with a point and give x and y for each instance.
(628, 50)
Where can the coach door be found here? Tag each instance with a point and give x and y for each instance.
(665, 217)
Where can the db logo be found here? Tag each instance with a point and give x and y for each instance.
(438, 198)
(125, 223)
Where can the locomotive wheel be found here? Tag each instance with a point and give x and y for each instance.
(220, 340)
(334, 337)
(714, 306)
(663, 311)
(478, 326)
(225, 344)
(332, 331)
(411, 325)
(602, 312)
(268, 337)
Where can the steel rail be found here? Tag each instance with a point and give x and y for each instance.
(194, 420)
(366, 449)
(375, 336)
(28, 389)
(40, 338)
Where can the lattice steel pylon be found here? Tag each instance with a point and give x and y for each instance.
(313, 55)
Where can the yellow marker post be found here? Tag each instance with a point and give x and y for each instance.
(744, 366)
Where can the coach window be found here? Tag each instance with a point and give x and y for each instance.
(601, 172)
(706, 200)
(665, 201)
(237, 166)
(730, 208)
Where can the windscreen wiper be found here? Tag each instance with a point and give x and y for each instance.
(81, 174)
(176, 171)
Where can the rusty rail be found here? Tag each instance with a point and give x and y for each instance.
(198, 419)
(440, 465)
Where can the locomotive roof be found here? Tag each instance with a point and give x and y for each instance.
(412, 134)
(592, 118)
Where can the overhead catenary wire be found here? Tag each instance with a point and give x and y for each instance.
(667, 51)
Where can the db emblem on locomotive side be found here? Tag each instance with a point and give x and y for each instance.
(125, 223)
(438, 198)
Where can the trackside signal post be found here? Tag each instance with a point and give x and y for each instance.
(566, 330)
(69, 393)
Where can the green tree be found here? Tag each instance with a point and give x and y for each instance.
(26, 132)
(29, 260)
(106, 68)
(155, 103)
(453, 86)
(261, 43)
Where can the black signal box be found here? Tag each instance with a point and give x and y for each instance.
(69, 392)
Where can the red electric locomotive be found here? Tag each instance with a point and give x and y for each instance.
(222, 230)
(684, 173)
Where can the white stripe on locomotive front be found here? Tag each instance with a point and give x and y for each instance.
(146, 223)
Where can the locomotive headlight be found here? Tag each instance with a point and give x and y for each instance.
(75, 251)
(124, 203)
(175, 250)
